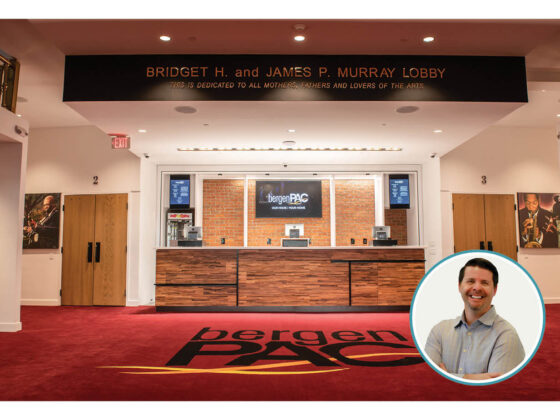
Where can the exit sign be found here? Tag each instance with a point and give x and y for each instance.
(120, 142)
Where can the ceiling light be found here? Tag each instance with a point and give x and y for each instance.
(142, 130)
(289, 143)
(291, 130)
(19, 115)
(438, 131)
(407, 109)
(165, 38)
(428, 39)
(289, 148)
(558, 115)
(185, 109)
(299, 38)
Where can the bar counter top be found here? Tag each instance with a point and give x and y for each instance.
(296, 248)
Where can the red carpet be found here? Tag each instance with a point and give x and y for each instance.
(73, 353)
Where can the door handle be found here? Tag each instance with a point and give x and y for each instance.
(97, 251)
(89, 251)
(481, 244)
(490, 246)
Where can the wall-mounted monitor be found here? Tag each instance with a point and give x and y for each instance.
(288, 199)
(399, 191)
(179, 191)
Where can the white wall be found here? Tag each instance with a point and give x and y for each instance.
(65, 160)
(514, 159)
(431, 211)
(13, 152)
(148, 232)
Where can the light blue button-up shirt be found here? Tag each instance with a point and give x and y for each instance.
(490, 344)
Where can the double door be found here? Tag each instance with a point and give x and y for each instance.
(485, 221)
(94, 250)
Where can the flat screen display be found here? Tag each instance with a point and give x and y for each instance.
(399, 192)
(288, 199)
(179, 191)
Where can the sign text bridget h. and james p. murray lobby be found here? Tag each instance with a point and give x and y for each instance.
(294, 78)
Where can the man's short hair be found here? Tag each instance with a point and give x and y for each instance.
(526, 194)
(482, 263)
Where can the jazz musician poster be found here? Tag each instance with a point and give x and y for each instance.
(539, 220)
(41, 224)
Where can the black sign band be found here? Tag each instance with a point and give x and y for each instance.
(294, 78)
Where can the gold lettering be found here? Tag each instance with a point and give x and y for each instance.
(149, 72)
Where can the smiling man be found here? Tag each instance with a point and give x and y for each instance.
(479, 344)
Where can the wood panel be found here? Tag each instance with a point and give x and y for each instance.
(377, 254)
(500, 223)
(364, 284)
(78, 231)
(195, 296)
(213, 266)
(109, 286)
(291, 278)
(468, 221)
(397, 282)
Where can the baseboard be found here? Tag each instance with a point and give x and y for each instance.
(40, 302)
(10, 326)
(132, 302)
(551, 300)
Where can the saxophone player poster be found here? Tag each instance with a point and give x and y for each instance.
(41, 224)
(539, 220)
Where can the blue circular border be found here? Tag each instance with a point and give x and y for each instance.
(455, 379)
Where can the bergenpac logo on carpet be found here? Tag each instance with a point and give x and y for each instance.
(247, 352)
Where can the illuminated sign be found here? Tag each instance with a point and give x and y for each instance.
(120, 141)
(288, 199)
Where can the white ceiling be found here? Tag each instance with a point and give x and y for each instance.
(40, 46)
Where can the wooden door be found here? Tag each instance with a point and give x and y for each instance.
(499, 210)
(77, 256)
(468, 221)
(109, 285)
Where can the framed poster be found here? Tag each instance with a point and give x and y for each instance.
(41, 225)
(539, 220)
(288, 199)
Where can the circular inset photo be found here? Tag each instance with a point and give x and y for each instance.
(477, 317)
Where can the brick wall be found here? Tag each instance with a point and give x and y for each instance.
(317, 229)
(396, 218)
(222, 212)
(355, 210)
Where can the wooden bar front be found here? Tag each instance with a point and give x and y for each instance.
(276, 278)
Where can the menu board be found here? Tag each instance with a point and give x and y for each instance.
(179, 192)
(399, 191)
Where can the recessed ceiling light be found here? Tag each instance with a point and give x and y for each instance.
(165, 38)
(299, 38)
(543, 90)
(407, 109)
(291, 130)
(438, 131)
(289, 143)
(141, 130)
(428, 39)
(185, 109)
(558, 115)
(19, 115)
